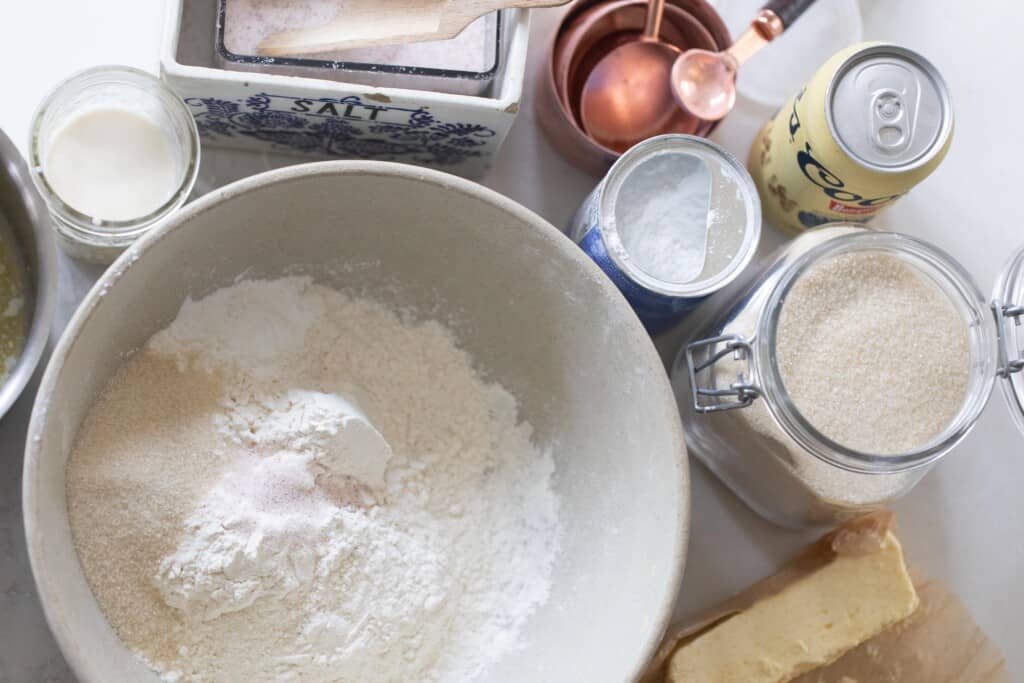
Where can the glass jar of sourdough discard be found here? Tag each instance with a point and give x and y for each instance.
(832, 380)
(113, 151)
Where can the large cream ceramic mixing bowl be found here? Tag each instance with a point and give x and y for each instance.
(536, 314)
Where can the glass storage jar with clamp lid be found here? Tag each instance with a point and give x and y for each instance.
(830, 381)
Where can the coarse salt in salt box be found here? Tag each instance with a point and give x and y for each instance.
(271, 111)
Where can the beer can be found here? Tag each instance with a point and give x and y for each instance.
(871, 123)
(675, 219)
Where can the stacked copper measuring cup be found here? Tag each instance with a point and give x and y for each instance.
(588, 32)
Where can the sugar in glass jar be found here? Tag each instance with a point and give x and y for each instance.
(831, 381)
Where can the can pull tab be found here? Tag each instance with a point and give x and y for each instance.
(1010, 359)
(707, 399)
(890, 121)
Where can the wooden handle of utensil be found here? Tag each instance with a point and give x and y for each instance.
(458, 14)
(539, 3)
(788, 11)
(486, 6)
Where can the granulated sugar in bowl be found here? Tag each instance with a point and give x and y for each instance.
(341, 437)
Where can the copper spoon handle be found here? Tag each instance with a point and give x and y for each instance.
(775, 17)
(754, 38)
(652, 24)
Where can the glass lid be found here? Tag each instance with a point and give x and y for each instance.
(1008, 307)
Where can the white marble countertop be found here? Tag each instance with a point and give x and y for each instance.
(964, 523)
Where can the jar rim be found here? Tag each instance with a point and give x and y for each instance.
(923, 256)
(79, 225)
(669, 143)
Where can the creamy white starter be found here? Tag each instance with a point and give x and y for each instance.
(112, 164)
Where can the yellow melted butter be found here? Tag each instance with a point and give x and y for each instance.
(12, 309)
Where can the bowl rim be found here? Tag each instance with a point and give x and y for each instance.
(48, 579)
(44, 278)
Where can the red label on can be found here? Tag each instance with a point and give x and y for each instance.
(833, 205)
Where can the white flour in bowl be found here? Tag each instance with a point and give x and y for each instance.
(290, 484)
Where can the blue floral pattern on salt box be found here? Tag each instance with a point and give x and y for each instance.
(342, 127)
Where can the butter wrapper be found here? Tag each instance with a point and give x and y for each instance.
(939, 643)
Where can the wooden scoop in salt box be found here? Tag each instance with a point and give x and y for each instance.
(368, 23)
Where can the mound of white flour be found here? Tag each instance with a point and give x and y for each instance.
(291, 484)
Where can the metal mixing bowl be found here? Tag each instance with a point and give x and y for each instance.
(25, 221)
(533, 310)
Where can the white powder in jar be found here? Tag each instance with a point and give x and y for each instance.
(872, 353)
(663, 212)
(680, 215)
(290, 483)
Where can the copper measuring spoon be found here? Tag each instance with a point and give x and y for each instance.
(626, 98)
(600, 28)
(704, 82)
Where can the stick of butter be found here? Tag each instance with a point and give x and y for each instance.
(810, 623)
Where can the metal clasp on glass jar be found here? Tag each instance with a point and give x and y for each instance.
(1008, 312)
(1010, 361)
(743, 389)
(741, 421)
